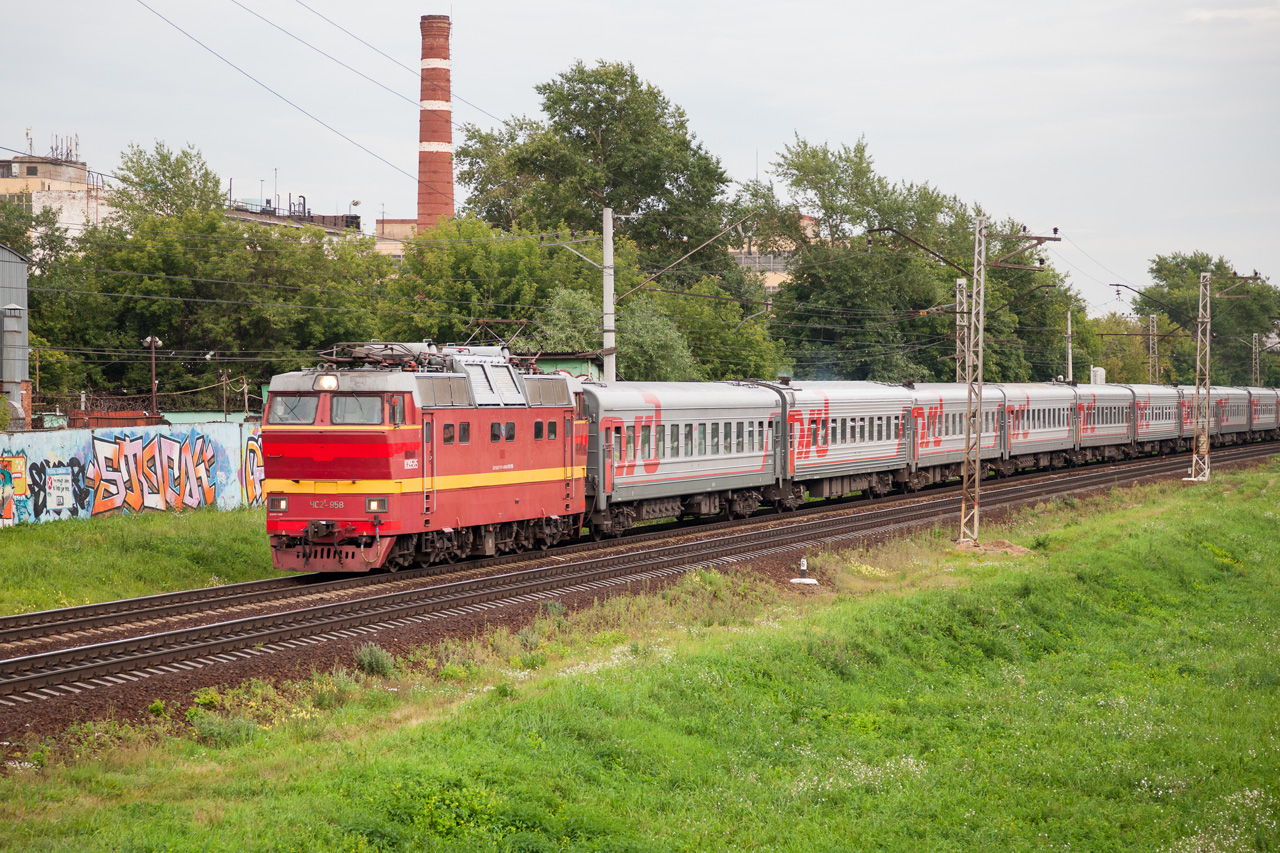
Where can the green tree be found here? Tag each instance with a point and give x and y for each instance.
(164, 182)
(650, 345)
(729, 339)
(1254, 308)
(608, 139)
(204, 284)
(465, 271)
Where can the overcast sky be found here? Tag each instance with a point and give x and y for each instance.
(1137, 127)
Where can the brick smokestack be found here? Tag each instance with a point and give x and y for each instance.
(435, 135)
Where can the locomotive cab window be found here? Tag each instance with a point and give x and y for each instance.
(509, 431)
(537, 430)
(464, 432)
(350, 409)
(446, 433)
(495, 431)
(396, 408)
(551, 430)
(293, 409)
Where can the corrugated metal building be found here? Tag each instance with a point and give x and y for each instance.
(15, 378)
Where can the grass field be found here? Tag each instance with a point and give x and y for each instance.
(65, 563)
(1116, 689)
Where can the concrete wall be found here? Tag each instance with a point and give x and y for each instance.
(80, 473)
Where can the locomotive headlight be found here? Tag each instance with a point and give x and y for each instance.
(278, 504)
(326, 382)
(375, 504)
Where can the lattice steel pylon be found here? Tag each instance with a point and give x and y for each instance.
(1153, 358)
(1200, 442)
(962, 322)
(975, 328)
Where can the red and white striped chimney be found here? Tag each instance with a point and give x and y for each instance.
(435, 134)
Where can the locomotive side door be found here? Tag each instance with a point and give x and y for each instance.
(429, 439)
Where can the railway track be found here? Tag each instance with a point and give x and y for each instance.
(72, 670)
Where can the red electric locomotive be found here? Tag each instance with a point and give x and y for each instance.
(395, 454)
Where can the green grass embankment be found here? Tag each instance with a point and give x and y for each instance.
(1116, 689)
(65, 563)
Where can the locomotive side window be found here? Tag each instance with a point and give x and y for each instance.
(464, 432)
(350, 409)
(495, 431)
(397, 409)
(446, 432)
(426, 433)
(293, 409)
(551, 430)
(510, 431)
(537, 430)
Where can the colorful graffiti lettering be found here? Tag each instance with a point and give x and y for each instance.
(253, 471)
(159, 473)
(13, 484)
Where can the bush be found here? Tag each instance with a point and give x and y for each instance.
(374, 660)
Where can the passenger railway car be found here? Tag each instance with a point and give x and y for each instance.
(393, 454)
(675, 449)
(1264, 416)
(938, 412)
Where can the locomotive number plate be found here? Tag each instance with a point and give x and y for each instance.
(323, 504)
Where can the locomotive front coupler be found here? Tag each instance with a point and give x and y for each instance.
(317, 530)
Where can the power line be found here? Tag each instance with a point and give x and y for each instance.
(453, 95)
(286, 100)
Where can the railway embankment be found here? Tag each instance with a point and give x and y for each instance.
(1114, 686)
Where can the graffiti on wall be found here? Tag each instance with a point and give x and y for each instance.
(58, 490)
(252, 470)
(157, 473)
(84, 473)
(13, 485)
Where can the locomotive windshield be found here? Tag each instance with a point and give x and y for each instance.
(350, 409)
(293, 409)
